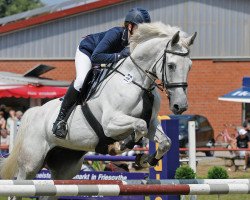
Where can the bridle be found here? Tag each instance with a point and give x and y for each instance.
(165, 83)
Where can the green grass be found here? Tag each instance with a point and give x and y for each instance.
(5, 198)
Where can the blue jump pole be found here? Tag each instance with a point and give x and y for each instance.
(109, 158)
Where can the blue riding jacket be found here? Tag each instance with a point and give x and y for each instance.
(104, 47)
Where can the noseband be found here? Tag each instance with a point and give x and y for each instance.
(165, 83)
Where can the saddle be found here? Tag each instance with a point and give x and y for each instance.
(92, 80)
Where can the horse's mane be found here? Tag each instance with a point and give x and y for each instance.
(148, 31)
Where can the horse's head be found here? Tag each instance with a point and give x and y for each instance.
(174, 69)
(170, 49)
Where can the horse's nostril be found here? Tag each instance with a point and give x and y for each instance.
(176, 106)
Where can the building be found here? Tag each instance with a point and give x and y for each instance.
(220, 54)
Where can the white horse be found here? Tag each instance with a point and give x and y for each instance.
(158, 52)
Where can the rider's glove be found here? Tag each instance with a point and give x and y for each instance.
(124, 53)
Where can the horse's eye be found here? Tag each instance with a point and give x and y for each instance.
(171, 66)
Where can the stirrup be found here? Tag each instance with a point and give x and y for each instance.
(60, 129)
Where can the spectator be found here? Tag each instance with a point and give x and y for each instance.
(5, 141)
(3, 108)
(11, 119)
(2, 120)
(19, 115)
(246, 126)
(243, 142)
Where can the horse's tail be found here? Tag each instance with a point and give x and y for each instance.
(9, 166)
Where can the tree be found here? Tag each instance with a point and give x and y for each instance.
(11, 7)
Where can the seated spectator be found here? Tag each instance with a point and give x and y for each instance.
(243, 142)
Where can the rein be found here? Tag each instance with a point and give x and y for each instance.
(146, 72)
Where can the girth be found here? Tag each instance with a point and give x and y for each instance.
(104, 141)
(148, 102)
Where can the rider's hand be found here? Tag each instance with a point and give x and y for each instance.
(124, 53)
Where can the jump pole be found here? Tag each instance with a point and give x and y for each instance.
(126, 182)
(117, 190)
(192, 151)
(187, 181)
(192, 145)
(109, 158)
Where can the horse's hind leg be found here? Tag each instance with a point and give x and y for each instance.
(65, 172)
(31, 160)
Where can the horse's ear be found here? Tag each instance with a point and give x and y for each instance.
(190, 40)
(175, 38)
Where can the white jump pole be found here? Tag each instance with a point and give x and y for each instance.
(192, 145)
(192, 149)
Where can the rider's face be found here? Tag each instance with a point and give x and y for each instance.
(131, 28)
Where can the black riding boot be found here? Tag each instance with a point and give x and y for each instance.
(60, 125)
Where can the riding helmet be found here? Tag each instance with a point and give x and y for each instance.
(137, 16)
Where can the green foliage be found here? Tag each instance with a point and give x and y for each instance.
(185, 172)
(97, 166)
(217, 173)
(10, 7)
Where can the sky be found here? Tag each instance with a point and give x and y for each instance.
(52, 2)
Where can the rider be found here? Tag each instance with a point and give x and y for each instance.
(100, 48)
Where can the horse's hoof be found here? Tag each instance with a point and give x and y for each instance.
(123, 147)
(152, 161)
(114, 149)
(141, 160)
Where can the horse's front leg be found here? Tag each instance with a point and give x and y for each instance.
(164, 144)
(157, 135)
(121, 124)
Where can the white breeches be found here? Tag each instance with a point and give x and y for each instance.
(83, 65)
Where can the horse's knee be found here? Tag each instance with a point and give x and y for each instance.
(141, 127)
(164, 145)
